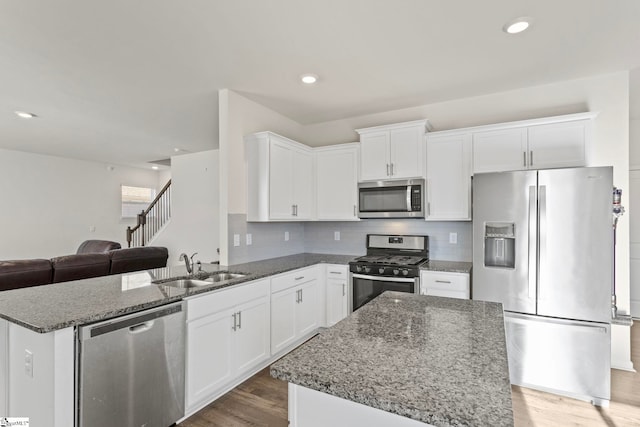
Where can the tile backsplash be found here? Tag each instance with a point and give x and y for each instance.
(319, 237)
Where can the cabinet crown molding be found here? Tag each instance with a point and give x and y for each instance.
(424, 122)
(520, 123)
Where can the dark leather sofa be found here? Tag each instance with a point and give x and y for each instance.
(94, 258)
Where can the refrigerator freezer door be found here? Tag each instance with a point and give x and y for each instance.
(505, 198)
(575, 243)
(560, 356)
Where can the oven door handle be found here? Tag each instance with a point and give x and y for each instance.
(385, 279)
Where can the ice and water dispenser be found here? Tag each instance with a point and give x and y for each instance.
(499, 244)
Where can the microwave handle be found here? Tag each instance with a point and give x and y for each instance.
(409, 198)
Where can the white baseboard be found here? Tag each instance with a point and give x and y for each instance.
(623, 366)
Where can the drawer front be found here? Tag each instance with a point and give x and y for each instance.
(199, 306)
(455, 285)
(335, 271)
(294, 278)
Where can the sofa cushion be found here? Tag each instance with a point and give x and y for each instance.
(97, 246)
(79, 266)
(135, 259)
(23, 273)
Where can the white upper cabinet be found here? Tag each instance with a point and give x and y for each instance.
(558, 145)
(448, 176)
(280, 179)
(392, 151)
(337, 182)
(499, 150)
(552, 142)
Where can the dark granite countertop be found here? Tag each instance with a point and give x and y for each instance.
(441, 361)
(448, 266)
(51, 307)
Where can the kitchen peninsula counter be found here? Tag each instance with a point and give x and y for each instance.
(439, 361)
(57, 306)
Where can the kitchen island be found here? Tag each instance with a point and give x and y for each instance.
(403, 360)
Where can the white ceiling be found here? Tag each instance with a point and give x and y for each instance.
(125, 82)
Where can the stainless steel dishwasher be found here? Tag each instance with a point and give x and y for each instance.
(130, 369)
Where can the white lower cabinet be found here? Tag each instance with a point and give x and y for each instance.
(294, 307)
(337, 293)
(445, 284)
(227, 335)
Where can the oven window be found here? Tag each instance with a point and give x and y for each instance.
(386, 199)
(364, 290)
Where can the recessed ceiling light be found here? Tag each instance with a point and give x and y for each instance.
(155, 168)
(177, 150)
(25, 115)
(309, 78)
(517, 25)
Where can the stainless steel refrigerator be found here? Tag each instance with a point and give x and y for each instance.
(543, 247)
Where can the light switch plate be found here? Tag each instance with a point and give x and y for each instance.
(286, 236)
(453, 238)
(249, 239)
(236, 240)
(336, 235)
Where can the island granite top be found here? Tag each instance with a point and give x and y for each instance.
(56, 306)
(441, 361)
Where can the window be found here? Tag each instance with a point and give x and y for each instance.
(135, 200)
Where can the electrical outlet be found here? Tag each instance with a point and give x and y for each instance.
(28, 363)
(453, 238)
(92, 229)
(236, 240)
(286, 236)
(336, 235)
(249, 241)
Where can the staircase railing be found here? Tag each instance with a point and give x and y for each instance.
(152, 219)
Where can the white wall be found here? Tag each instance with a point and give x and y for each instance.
(194, 208)
(632, 197)
(48, 203)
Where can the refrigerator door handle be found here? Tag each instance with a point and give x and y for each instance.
(532, 255)
(542, 235)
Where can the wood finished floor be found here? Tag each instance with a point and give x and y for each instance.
(262, 401)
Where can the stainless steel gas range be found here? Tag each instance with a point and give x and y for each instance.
(392, 263)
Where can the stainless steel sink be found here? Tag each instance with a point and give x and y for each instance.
(202, 279)
(224, 276)
(186, 283)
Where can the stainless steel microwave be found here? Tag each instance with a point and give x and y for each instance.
(391, 199)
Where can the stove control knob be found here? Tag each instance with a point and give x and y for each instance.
(396, 272)
(358, 268)
(367, 269)
(381, 270)
(405, 272)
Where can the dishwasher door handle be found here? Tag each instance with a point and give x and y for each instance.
(142, 327)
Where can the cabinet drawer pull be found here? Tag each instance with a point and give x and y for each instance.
(391, 169)
(299, 278)
(234, 321)
(530, 158)
(443, 281)
(344, 291)
(239, 319)
(387, 169)
(524, 159)
(335, 272)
